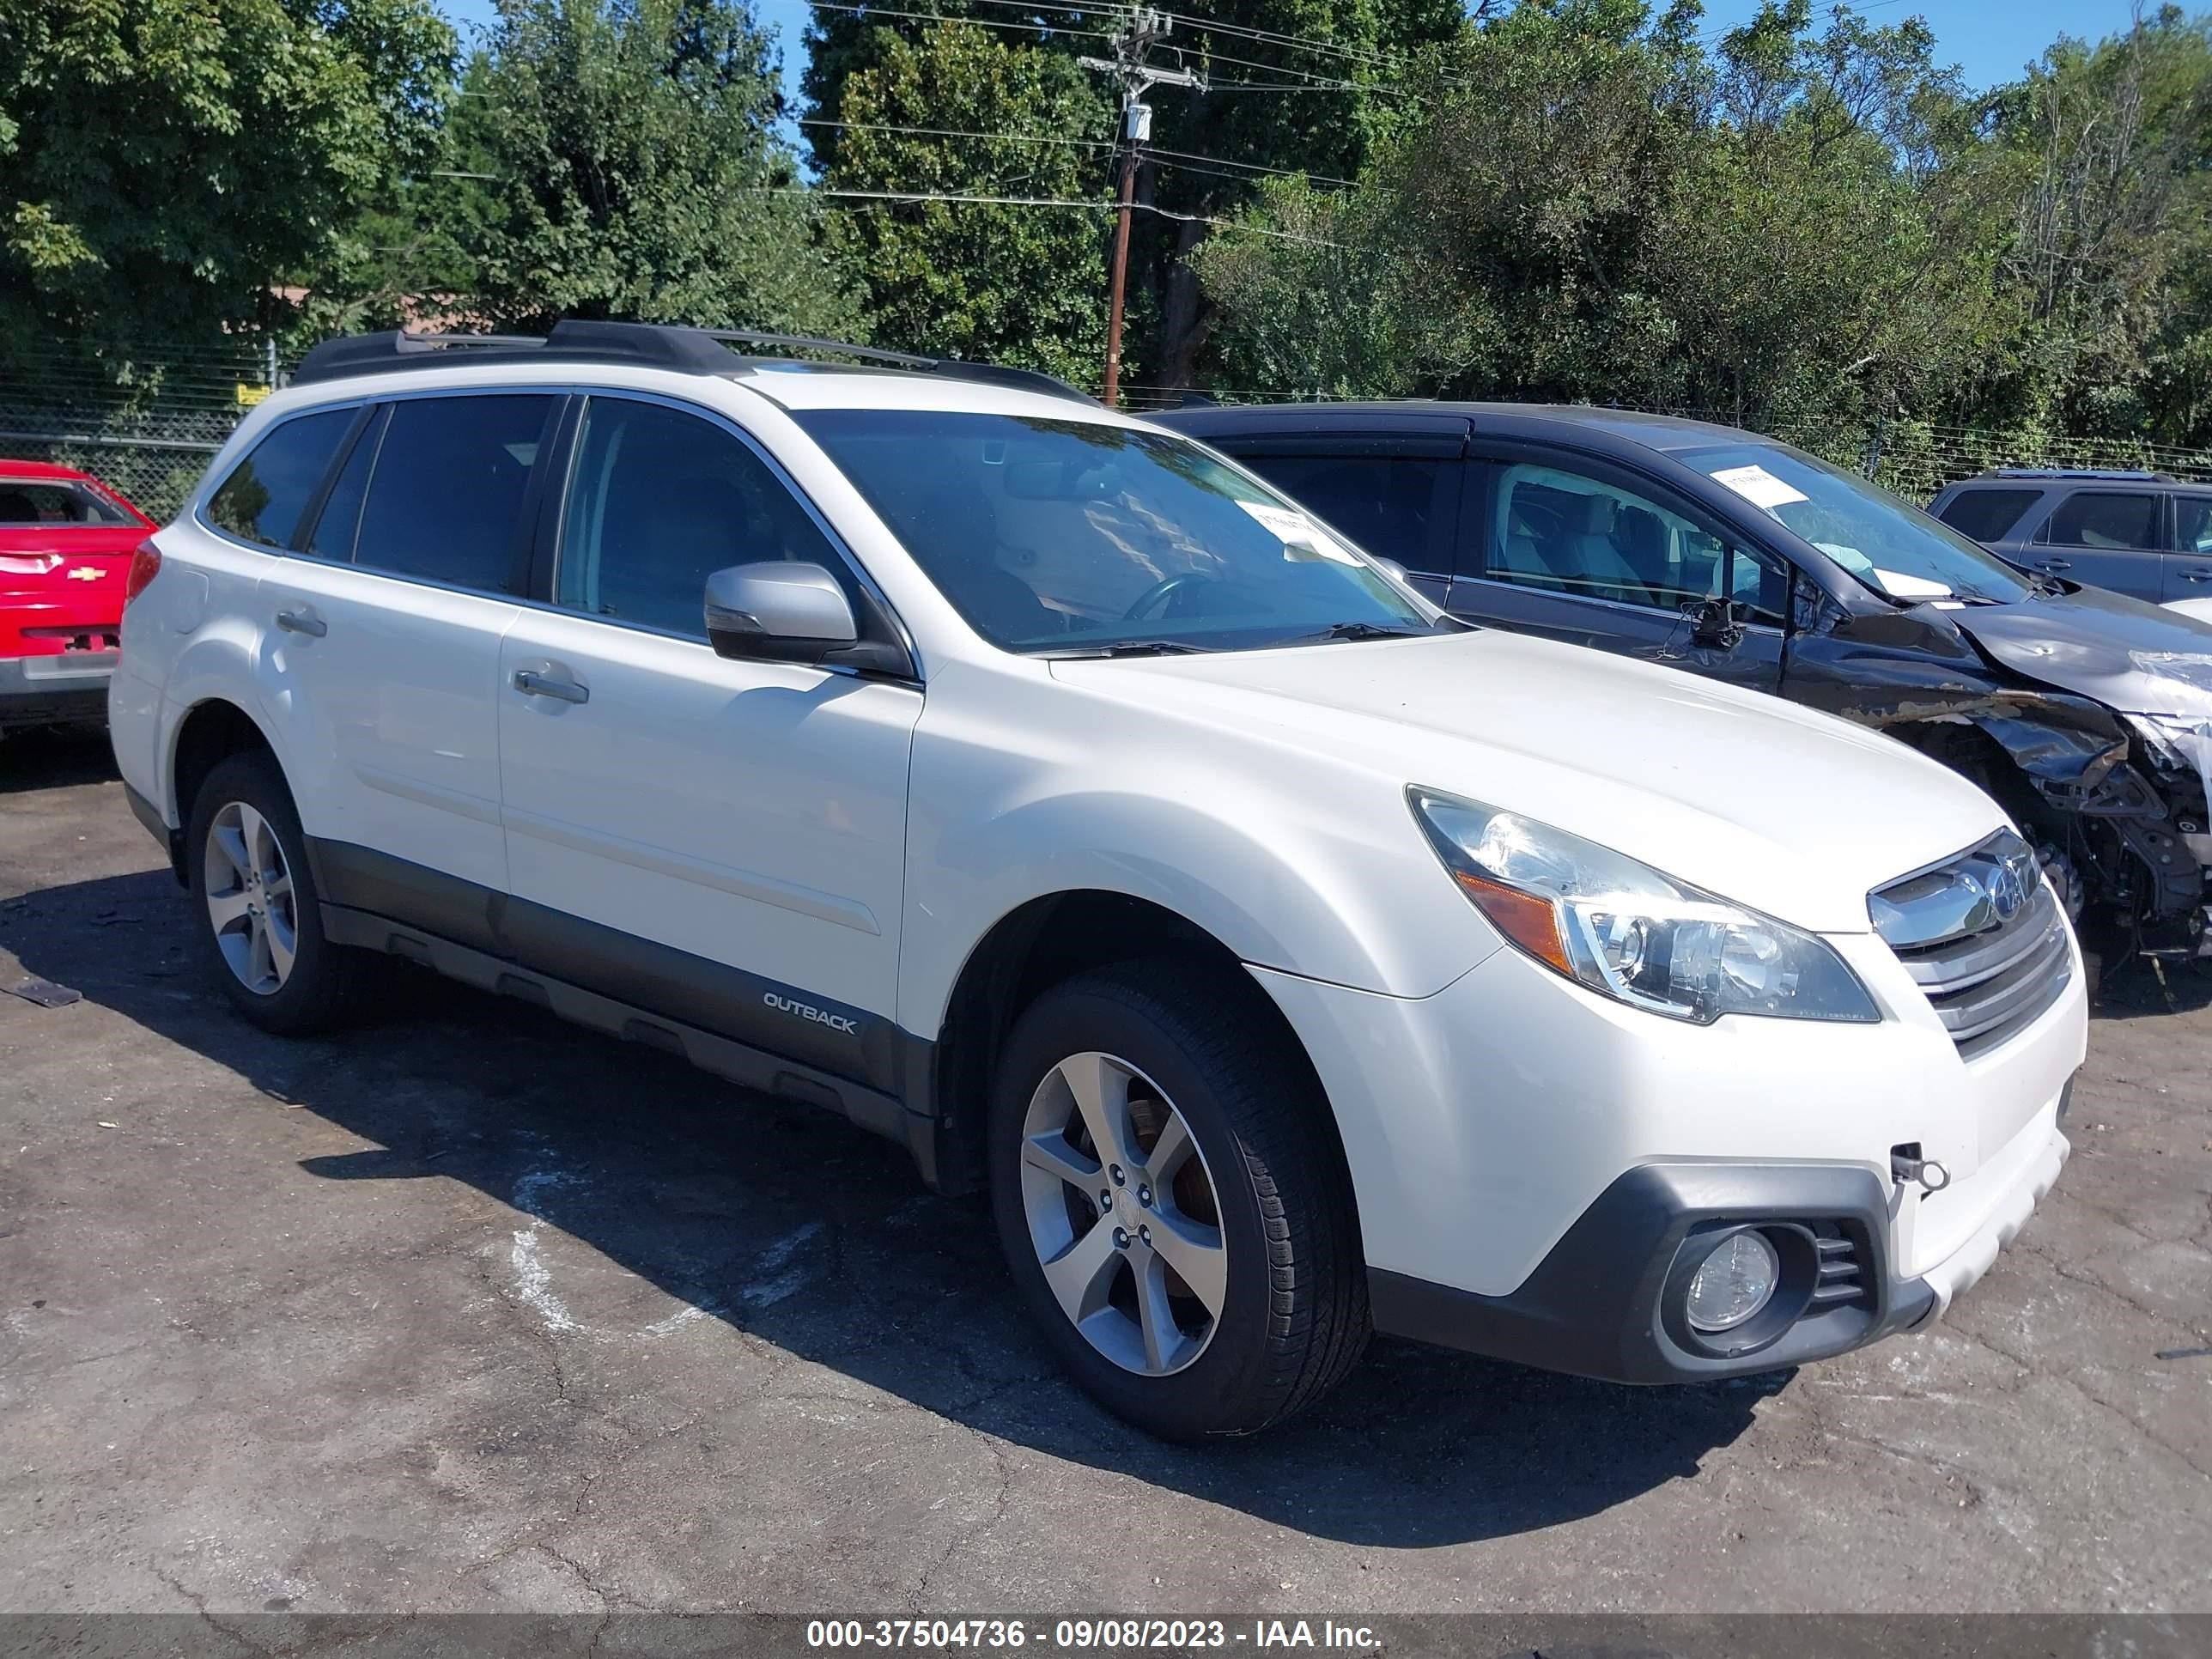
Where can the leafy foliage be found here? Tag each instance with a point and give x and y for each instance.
(634, 172)
(166, 164)
(1010, 283)
(1809, 228)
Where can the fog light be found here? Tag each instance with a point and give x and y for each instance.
(1732, 1284)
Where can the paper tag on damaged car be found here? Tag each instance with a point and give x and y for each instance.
(1758, 486)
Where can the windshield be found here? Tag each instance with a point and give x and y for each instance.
(1075, 535)
(1883, 539)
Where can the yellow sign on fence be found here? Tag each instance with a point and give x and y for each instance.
(250, 395)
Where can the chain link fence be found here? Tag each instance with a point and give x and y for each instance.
(147, 425)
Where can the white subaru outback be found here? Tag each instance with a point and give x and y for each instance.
(1034, 787)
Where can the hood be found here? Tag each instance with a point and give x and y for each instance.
(1793, 812)
(2134, 657)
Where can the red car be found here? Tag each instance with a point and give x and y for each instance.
(66, 545)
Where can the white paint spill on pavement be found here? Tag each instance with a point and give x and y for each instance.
(775, 1277)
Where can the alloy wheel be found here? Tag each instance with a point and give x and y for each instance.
(249, 898)
(1123, 1214)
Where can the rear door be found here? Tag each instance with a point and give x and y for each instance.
(382, 655)
(1394, 494)
(2114, 538)
(1571, 547)
(2187, 570)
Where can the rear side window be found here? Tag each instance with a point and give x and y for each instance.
(1984, 515)
(2192, 524)
(1386, 504)
(265, 494)
(445, 496)
(2098, 518)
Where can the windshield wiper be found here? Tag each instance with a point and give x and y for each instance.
(1362, 630)
(1128, 648)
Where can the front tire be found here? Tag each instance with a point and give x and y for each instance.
(260, 924)
(1173, 1203)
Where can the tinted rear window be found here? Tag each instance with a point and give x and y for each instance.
(265, 494)
(1984, 515)
(2099, 519)
(446, 496)
(28, 503)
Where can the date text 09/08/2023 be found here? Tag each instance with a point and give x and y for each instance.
(1086, 1634)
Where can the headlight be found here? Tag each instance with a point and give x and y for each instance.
(1628, 932)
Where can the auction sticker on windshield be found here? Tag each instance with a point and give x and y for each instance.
(1758, 486)
(1298, 533)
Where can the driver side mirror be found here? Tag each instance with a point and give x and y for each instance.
(1713, 625)
(781, 611)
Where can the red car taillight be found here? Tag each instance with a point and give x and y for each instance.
(145, 565)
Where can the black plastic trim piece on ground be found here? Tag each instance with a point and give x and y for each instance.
(1595, 1306)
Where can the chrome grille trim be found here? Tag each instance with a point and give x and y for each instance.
(1982, 935)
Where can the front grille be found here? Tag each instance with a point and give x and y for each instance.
(1983, 937)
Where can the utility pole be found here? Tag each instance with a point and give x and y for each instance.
(1144, 29)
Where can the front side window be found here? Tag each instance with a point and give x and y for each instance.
(1385, 503)
(1886, 543)
(2106, 518)
(1573, 534)
(658, 501)
(1051, 535)
(265, 494)
(445, 498)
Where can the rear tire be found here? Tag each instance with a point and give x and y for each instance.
(259, 920)
(1166, 1050)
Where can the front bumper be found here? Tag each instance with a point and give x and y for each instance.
(58, 689)
(1604, 1302)
(1529, 1157)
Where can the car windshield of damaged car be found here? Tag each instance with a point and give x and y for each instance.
(1073, 537)
(1882, 539)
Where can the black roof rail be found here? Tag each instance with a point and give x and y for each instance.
(651, 345)
(2136, 474)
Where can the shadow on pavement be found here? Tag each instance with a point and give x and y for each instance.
(55, 757)
(794, 1226)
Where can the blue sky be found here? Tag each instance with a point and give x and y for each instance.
(1991, 39)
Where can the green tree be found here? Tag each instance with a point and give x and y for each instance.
(1587, 206)
(1015, 285)
(635, 172)
(166, 164)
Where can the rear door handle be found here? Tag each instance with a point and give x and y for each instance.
(299, 622)
(2199, 574)
(532, 683)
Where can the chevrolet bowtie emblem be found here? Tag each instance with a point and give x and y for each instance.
(87, 573)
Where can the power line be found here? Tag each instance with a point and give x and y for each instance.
(1198, 163)
(1037, 201)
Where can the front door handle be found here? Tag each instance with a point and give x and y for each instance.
(2054, 566)
(2199, 574)
(532, 683)
(299, 622)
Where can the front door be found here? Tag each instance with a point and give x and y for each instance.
(1571, 548)
(721, 841)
